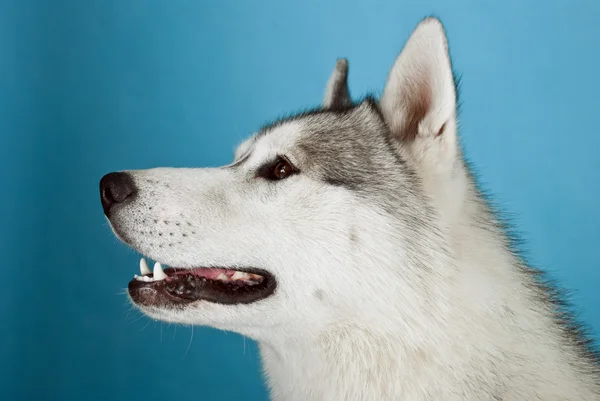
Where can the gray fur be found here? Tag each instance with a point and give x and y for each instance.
(337, 94)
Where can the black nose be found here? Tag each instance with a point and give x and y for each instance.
(115, 188)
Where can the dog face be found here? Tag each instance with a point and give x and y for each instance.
(321, 217)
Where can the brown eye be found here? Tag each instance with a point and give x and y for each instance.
(282, 169)
(277, 170)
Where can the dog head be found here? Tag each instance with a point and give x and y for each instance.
(332, 214)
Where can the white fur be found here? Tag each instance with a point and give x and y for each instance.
(352, 322)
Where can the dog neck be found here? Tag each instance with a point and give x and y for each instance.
(349, 362)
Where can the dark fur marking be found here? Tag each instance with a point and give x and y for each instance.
(339, 183)
(354, 235)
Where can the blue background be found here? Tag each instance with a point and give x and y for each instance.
(89, 87)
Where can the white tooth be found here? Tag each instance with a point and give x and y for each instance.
(222, 276)
(144, 267)
(255, 276)
(240, 276)
(159, 274)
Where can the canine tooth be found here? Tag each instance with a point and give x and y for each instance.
(222, 276)
(159, 274)
(240, 276)
(144, 269)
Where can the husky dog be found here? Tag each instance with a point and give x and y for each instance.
(351, 242)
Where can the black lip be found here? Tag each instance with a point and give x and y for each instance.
(180, 290)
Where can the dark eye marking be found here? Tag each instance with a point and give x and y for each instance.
(276, 170)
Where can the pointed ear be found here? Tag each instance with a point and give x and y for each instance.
(337, 95)
(419, 99)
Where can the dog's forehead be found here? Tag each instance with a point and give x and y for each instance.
(322, 128)
(267, 144)
(280, 138)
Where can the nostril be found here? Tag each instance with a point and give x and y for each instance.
(106, 196)
(115, 188)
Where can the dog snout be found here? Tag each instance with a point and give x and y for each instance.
(116, 188)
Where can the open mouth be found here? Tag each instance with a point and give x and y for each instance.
(175, 286)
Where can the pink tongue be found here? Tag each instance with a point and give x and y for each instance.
(205, 272)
